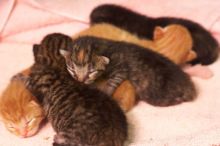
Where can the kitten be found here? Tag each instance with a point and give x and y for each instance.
(156, 79)
(204, 44)
(19, 109)
(125, 100)
(173, 41)
(80, 115)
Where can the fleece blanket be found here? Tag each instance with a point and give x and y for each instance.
(197, 123)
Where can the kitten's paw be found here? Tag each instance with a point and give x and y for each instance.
(20, 77)
(198, 70)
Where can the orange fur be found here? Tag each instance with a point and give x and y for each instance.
(173, 41)
(124, 94)
(19, 109)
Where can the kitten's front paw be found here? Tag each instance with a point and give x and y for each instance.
(108, 90)
(20, 77)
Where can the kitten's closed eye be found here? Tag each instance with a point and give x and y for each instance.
(10, 127)
(72, 72)
(31, 121)
(92, 76)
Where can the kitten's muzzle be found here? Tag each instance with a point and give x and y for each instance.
(81, 79)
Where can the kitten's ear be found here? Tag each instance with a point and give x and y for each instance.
(33, 103)
(64, 53)
(105, 60)
(158, 33)
(35, 49)
(192, 55)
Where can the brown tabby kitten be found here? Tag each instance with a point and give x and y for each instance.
(156, 79)
(173, 41)
(81, 116)
(19, 110)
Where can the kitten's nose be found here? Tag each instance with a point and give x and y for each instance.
(81, 79)
(24, 133)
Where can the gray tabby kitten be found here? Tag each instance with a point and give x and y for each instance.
(156, 79)
(81, 116)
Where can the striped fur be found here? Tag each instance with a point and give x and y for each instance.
(204, 44)
(173, 41)
(81, 116)
(156, 79)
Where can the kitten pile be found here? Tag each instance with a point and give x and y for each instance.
(84, 85)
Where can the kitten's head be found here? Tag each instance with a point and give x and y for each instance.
(175, 41)
(83, 63)
(19, 111)
(47, 53)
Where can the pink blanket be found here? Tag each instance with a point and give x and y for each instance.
(25, 22)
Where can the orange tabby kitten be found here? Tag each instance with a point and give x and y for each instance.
(173, 41)
(19, 109)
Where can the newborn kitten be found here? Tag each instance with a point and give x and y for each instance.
(173, 41)
(204, 44)
(19, 109)
(125, 101)
(81, 116)
(156, 79)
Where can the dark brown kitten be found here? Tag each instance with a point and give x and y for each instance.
(204, 44)
(81, 116)
(156, 79)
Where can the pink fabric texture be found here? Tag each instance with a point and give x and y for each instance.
(197, 123)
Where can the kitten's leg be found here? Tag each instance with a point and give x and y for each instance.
(113, 82)
(21, 77)
(59, 140)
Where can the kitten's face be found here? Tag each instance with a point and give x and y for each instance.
(83, 64)
(22, 117)
(24, 124)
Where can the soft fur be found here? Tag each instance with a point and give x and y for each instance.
(19, 110)
(204, 44)
(173, 41)
(156, 79)
(80, 115)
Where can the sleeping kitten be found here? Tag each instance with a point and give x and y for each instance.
(81, 116)
(156, 79)
(19, 110)
(125, 100)
(173, 41)
(204, 44)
